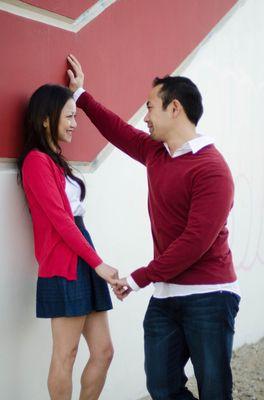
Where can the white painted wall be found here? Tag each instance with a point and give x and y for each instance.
(228, 69)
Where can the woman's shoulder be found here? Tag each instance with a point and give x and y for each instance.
(35, 153)
(37, 160)
(36, 156)
(37, 165)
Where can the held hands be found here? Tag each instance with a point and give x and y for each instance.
(76, 76)
(121, 288)
(110, 275)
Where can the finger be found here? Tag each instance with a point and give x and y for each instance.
(116, 282)
(70, 74)
(118, 290)
(118, 296)
(74, 59)
(120, 282)
(71, 61)
(113, 282)
(74, 65)
(124, 295)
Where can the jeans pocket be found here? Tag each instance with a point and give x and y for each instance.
(232, 301)
(236, 300)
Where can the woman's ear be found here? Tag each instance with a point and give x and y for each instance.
(46, 122)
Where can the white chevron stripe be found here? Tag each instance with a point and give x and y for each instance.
(50, 18)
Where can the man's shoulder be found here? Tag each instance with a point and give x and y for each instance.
(211, 163)
(210, 154)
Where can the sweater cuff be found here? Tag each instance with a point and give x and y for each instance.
(140, 277)
(95, 262)
(131, 283)
(78, 93)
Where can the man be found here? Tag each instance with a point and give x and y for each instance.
(196, 296)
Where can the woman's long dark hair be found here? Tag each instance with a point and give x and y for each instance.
(46, 102)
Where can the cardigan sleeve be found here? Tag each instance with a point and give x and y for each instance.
(212, 199)
(38, 178)
(134, 142)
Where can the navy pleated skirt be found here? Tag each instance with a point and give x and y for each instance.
(59, 297)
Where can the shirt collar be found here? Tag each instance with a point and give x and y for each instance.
(193, 145)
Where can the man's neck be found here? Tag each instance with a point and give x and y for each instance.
(177, 138)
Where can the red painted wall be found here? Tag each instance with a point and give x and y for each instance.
(121, 51)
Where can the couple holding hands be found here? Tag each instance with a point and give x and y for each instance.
(196, 295)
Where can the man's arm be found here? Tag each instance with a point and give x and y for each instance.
(136, 143)
(212, 199)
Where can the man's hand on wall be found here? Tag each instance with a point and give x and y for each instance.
(76, 76)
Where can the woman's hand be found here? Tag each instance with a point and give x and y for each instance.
(108, 273)
(76, 76)
(121, 288)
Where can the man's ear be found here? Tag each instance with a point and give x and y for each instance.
(176, 107)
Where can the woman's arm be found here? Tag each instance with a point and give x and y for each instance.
(38, 178)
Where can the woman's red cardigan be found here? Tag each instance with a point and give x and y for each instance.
(58, 241)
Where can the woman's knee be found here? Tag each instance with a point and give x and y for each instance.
(66, 356)
(103, 356)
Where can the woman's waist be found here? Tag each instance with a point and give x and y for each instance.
(78, 219)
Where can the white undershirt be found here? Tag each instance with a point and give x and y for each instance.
(73, 192)
(164, 290)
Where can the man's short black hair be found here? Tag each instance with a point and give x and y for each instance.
(183, 90)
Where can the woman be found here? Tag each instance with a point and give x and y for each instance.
(71, 287)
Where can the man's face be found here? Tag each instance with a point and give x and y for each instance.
(159, 121)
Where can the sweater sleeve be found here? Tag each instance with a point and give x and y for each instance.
(136, 143)
(38, 178)
(212, 199)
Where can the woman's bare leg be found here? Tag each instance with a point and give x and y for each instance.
(97, 335)
(66, 332)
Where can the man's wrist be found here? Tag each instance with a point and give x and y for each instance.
(78, 93)
(132, 284)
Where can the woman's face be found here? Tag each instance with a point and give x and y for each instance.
(67, 122)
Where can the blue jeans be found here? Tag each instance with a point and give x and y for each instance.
(200, 327)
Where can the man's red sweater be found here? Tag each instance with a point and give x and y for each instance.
(190, 197)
